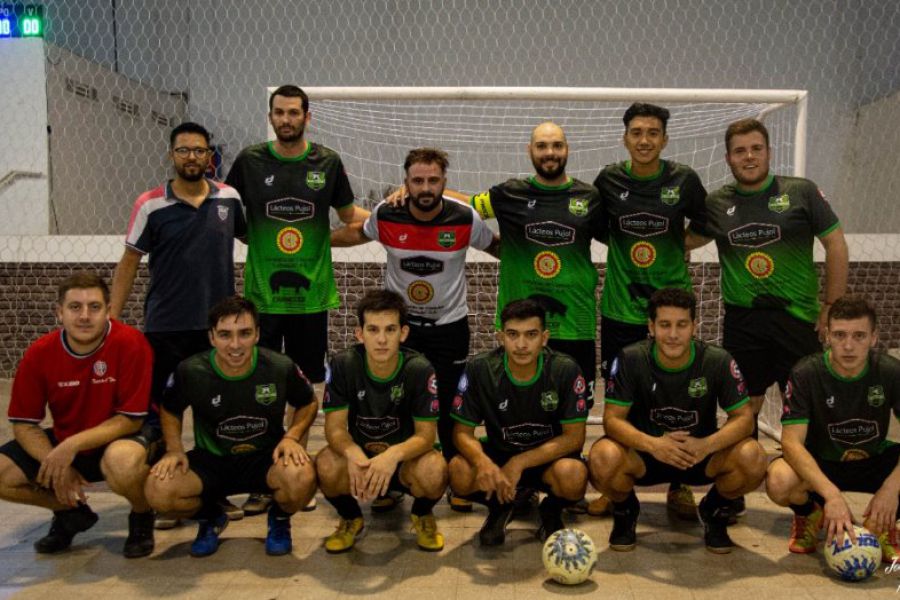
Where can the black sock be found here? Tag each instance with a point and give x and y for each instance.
(553, 503)
(805, 509)
(346, 506)
(209, 511)
(630, 502)
(423, 506)
(278, 512)
(714, 499)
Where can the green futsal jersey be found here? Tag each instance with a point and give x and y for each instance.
(645, 217)
(545, 250)
(289, 268)
(765, 243)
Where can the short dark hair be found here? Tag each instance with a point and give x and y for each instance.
(231, 306)
(852, 307)
(642, 109)
(81, 280)
(380, 301)
(290, 91)
(189, 127)
(745, 126)
(676, 297)
(524, 308)
(427, 156)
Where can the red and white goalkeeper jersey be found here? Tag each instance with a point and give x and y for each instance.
(83, 391)
(426, 260)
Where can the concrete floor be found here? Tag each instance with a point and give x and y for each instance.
(670, 561)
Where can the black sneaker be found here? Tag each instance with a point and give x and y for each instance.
(736, 508)
(140, 535)
(715, 527)
(493, 532)
(526, 500)
(551, 521)
(64, 526)
(623, 537)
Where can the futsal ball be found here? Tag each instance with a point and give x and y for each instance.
(854, 562)
(569, 556)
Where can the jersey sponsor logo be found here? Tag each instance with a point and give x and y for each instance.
(289, 240)
(290, 210)
(432, 384)
(422, 266)
(531, 204)
(280, 280)
(614, 368)
(670, 195)
(361, 395)
(854, 454)
(377, 427)
(315, 180)
(549, 400)
(100, 368)
(579, 386)
(216, 401)
(624, 196)
(550, 233)
(527, 434)
(754, 235)
(760, 265)
(547, 264)
(420, 292)
(397, 393)
(269, 181)
(875, 397)
(222, 211)
(829, 401)
(643, 255)
(446, 239)
(730, 211)
(643, 224)
(779, 204)
(65, 384)
(463, 384)
(266, 393)
(376, 447)
(578, 206)
(243, 448)
(853, 432)
(697, 388)
(242, 428)
(674, 419)
(402, 238)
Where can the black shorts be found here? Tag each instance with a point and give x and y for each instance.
(304, 338)
(614, 336)
(865, 475)
(87, 464)
(767, 343)
(532, 477)
(660, 472)
(226, 475)
(169, 349)
(585, 354)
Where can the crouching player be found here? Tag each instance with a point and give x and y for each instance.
(533, 403)
(381, 411)
(237, 394)
(837, 411)
(660, 421)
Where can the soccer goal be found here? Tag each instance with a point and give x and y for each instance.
(485, 131)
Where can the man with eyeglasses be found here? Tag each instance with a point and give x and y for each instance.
(187, 227)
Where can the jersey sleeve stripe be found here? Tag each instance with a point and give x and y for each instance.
(618, 402)
(795, 422)
(463, 421)
(132, 415)
(334, 408)
(23, 420)
(571, 421)
(737, 404)
(425, 418)
(828, 230)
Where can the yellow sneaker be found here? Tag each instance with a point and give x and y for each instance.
(805, 531)
(681, 502)
(427, 536)
(345, 535)
(890, 549)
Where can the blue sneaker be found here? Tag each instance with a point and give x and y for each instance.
(207, 541)
(278, 540)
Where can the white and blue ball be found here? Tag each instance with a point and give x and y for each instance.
(569, 556)
(854, 562)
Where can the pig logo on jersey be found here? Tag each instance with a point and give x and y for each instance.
(100, 368)
(875, 397)
(432, 385)
(579, 386)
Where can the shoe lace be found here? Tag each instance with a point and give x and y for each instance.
(427, 524)
(801, 527)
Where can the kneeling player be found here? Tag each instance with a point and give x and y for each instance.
(533, 403)
(237, 394)
(836, 415)
(381, 411)
(660, 421)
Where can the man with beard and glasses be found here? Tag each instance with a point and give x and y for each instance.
(287, 186)
(426, 242)
(187, 227)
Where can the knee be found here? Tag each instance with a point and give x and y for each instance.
(161, 494)
(461, 474)
(123, 460)
(781, 482)
(431, 473)
(569, 478)
(604, 459)
(11, 476)
(295, 480)
(752, 460)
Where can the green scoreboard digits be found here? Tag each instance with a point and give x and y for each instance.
(21, 20)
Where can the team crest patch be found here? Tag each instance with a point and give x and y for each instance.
(547, 264)
(397, 394)
(100, 368)
(581, 405)
(446, 239)
(266, 393)
(735, 371)
(697, 388)
(289, 240)
(670, 195)
(457, 402)
(420, 292)
(643, 255)
(549, 400)
(432, 384)
(435, 406)
(760, 265)
(315, 180)
(222, 211)
(779, 204)
(579, 386)
(578, 206)
(875, 397)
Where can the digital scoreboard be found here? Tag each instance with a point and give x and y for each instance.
(21, 20)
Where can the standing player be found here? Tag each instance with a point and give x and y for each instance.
(837, 412)
(288, 187)
(94, 376)
(660, 421)
(645, 201)
(532, 402)
(237, 393)
(381, 408)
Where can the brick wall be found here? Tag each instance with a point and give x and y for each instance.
(27, 300)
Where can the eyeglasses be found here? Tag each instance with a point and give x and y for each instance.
(184, 152)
